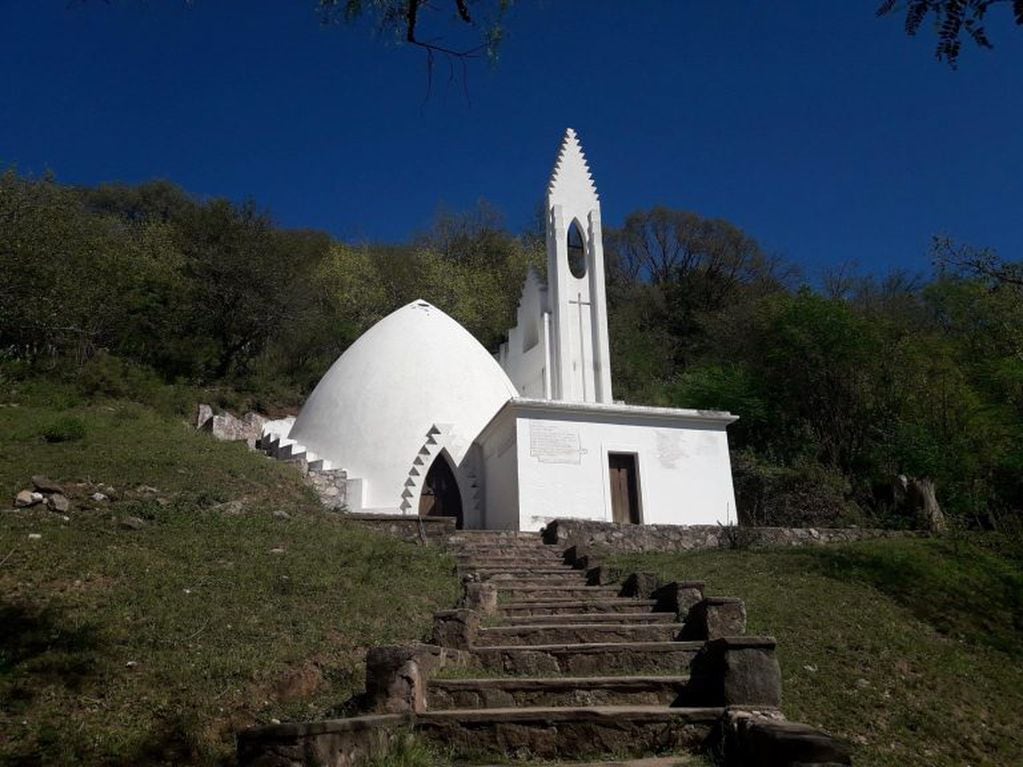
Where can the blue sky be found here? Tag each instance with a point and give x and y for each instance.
(825, 133)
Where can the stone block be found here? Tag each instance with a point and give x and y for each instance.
(678, 597)
(456, 628)
(716, 617)
(481, 597)
(756, 739)
(396, 675)
(44, 484)
(203, 413)
(350, 742)
(602, 575)
(640, 585)
(737, 671)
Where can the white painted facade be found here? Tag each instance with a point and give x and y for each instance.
(560, 453)
(529, 437)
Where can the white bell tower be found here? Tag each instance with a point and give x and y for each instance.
(580, 364)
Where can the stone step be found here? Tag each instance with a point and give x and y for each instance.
(515, 692)
(516, 592)
(605, 658)
(561, 732)
(680, 760)
(549, 580)
(594, 617)
(493, 543)
(570, 606)
(528, 571)
(504, 556)
(494, 536)
(582, 633)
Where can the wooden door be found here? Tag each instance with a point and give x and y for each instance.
(624, 488)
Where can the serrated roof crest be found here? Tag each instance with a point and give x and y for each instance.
(571, 168)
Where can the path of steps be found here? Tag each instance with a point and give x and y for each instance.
(538, 666)
(571, 670)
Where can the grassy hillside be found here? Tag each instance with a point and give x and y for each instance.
(910, 649)
(124, 646)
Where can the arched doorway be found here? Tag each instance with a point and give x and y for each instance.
(441, 496)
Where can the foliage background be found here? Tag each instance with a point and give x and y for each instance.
(145, 292)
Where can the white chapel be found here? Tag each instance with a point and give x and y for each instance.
(425, 421)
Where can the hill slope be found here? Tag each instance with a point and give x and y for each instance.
(148, 628)
(910, 649)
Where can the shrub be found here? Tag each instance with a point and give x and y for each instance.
(806, 494)
(64, 429)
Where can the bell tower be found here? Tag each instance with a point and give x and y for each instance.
(580, 364)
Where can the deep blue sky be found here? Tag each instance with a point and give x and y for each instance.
(825, 133)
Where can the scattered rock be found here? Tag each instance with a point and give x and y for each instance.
(46, 485)
(862, 684)
(229, 428)
(34, 536)
(230, 508)
(280, 514)
(99, 497)
(146, 490)
(203, 414)
(26, 498)
(811, 669)
(132, 523)
(58, 502)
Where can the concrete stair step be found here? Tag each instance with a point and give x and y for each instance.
(513, 592)
(562, 606)
(593, 617)
(567, 732)
(605, 658)
(515, 692)
(582, 633)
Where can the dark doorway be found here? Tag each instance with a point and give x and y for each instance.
(624, 488)
(441, 497)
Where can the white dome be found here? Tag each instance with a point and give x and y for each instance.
(373, 411)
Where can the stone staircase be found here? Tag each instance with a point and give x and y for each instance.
(546, 663)
(569, 670)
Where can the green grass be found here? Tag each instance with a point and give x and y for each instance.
(910, 649)
(150, 646)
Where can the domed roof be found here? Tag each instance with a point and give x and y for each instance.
(381, 401)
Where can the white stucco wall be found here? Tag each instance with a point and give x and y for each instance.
(416, 381)
(684, 472)
(500, 460)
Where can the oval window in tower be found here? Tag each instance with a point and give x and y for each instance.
(576, 251)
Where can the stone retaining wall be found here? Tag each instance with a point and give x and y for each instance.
(414, 529)
(642, 538)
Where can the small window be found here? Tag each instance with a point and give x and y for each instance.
(576, 251)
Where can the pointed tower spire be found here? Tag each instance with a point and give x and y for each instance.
(580, 361)
(571, 174)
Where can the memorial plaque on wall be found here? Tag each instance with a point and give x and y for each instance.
(554, 443)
